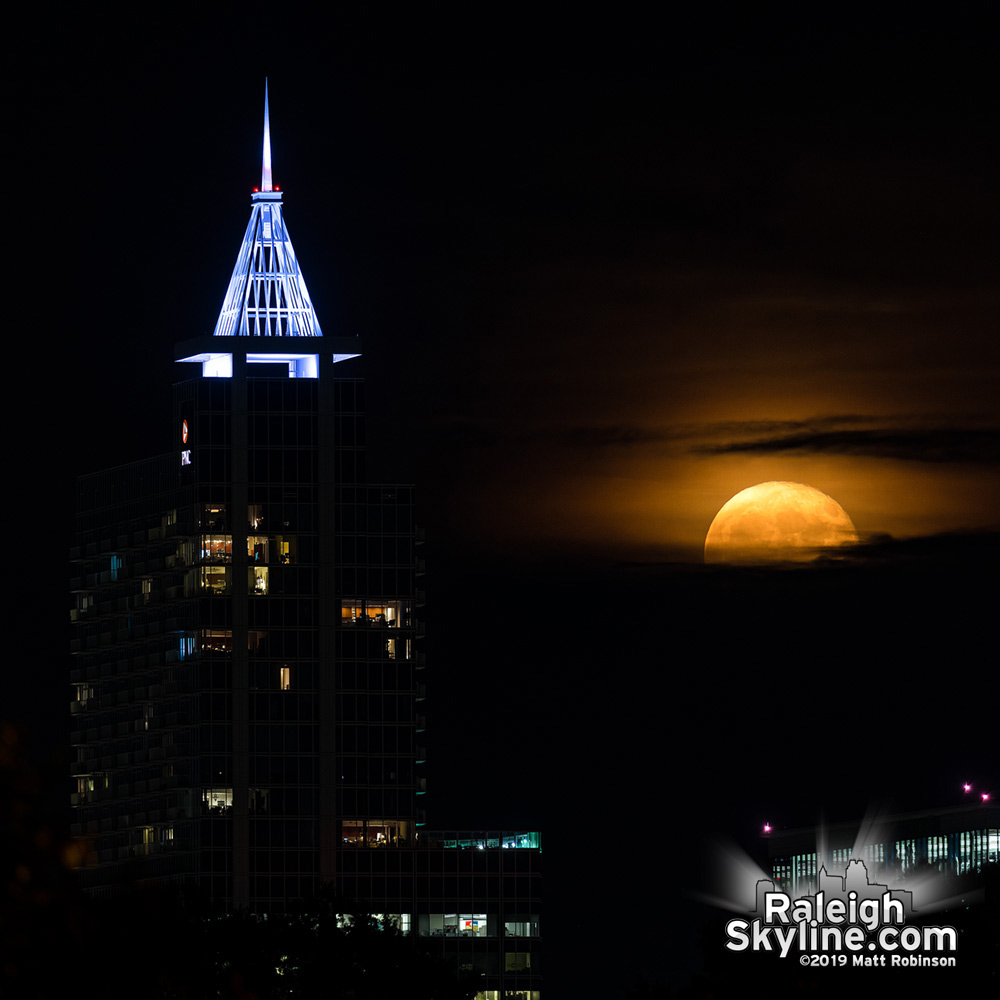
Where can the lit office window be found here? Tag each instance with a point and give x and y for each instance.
(286, 678)
(526, 926)
(257, 549)
(217, 548)
(214, 579)
(213, 516)
(937, 849)
(374, 613)
(375, 832)
(217, 800)
(215, 640)
(472, 924)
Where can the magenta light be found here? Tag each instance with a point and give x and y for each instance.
(967, 787)
(985, 796)
(767, 828)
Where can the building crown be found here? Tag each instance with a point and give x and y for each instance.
(267, 295)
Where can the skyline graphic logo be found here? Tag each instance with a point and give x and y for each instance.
(849, 921)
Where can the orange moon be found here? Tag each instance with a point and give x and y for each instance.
(777, 522)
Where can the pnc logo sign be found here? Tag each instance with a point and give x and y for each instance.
(186, 454)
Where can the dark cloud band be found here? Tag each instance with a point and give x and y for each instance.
(975, 445)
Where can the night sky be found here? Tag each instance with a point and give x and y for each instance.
(607, 274)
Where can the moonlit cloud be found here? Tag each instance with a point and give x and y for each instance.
(838, 435)
(927, 444)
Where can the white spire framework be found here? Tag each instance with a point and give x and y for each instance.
(265, 174)
(267, 295)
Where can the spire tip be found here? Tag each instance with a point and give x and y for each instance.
(265, 179)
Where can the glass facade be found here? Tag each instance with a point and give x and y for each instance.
(955, 841)
(248, 681)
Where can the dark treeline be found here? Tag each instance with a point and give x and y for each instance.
(165, 942)
(159, 943)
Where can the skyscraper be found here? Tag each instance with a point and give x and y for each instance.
(247, 673)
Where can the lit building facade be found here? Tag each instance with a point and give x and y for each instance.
(247, 659)
(955, 841)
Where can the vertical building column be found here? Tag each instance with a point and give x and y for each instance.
(329, 615)
(240, 614)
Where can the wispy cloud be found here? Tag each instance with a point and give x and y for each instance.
(924, 444)
(927, 440)
(944, 548)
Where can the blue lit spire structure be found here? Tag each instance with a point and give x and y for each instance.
(267, 295)
(265, 174)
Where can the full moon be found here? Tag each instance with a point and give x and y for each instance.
(777, 522)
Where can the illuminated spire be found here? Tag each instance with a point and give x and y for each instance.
(267, 295)
(265, 177)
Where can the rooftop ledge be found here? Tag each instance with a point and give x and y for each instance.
(215, 354)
